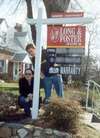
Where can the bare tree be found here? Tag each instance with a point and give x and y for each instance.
(89, 59)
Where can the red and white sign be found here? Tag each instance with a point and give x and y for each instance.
(66, 14)
(66, 37)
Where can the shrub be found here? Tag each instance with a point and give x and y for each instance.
(77, 84)
(4, 76)
(83, 99)
(62, 114)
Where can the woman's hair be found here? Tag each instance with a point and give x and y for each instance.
(30, 46)
(30, 70)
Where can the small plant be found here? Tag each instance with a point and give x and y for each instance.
(83, 100)
(63, 114)
(4, 76)
(77, 84)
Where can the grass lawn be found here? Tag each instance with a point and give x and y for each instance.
(13, 88)
(9, 87)
(86, 131)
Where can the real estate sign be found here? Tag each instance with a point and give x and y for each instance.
(73, 70)
(66, 36)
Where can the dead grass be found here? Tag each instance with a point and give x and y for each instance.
(86, 131)
(62, 115)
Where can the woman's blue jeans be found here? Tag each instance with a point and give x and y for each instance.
(24, 104)
(53, 81)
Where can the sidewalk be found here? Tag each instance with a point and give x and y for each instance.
(87, 117)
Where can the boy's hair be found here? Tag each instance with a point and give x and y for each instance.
(30, 46)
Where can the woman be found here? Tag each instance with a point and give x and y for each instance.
(26, 91)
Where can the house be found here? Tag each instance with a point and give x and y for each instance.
(13, 58)
(12, 65)
(5, 56)
(17, 65)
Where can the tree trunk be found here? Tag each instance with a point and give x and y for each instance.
(30, 15)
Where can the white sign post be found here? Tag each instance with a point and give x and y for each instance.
(37, 66)
(39, 22)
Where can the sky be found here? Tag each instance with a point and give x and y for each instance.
(91, 8)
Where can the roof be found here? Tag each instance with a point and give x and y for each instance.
(19, 57)
(5, 56)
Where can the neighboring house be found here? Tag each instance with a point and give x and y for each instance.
(17, 65)
(5, 56)
(18, 37)
(15, 34)
(12, 66)
(13, 58)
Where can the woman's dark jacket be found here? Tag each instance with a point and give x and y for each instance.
(24, 87)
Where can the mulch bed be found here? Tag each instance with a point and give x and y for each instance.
(13, 118)
(9, 109)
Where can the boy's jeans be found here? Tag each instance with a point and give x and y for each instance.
(53, 81)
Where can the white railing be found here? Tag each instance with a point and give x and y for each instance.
(93, 96)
